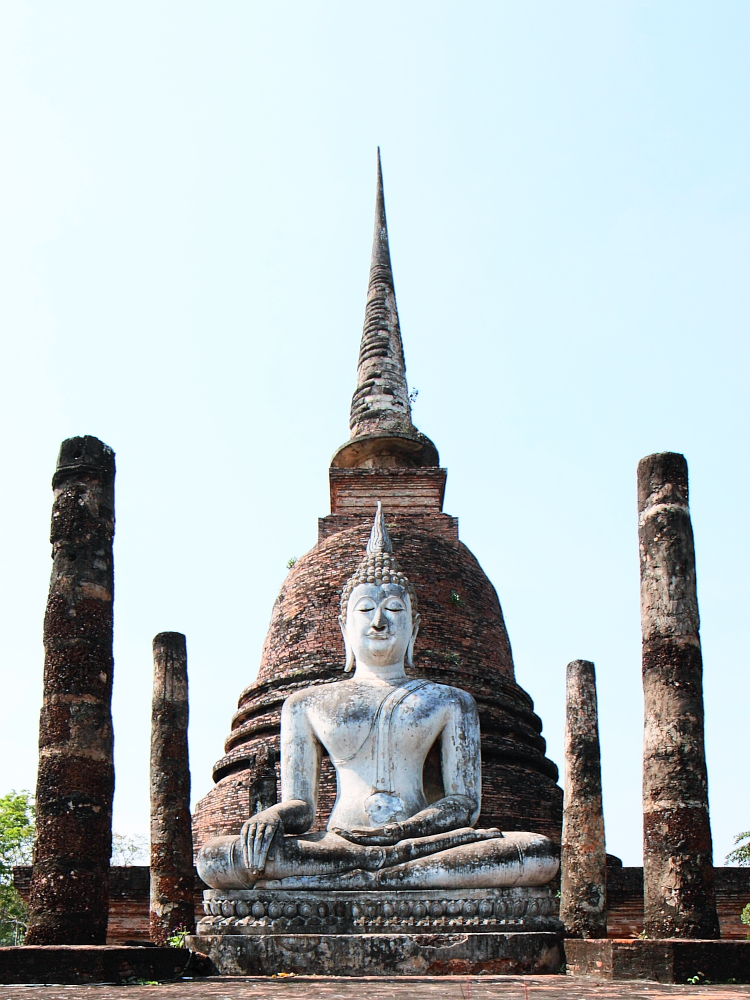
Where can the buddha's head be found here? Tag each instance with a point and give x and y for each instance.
(379, 618)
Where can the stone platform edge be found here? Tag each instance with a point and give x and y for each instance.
(78, 964)
(662, 960)
(384, 955)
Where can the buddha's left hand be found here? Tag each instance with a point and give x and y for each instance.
(379, 836)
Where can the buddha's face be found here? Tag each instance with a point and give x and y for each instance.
(379, 627)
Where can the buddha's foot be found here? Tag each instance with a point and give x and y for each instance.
(357, 879)
(420, 847)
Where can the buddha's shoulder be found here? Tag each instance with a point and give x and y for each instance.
(313, 694)
(334, 692)
(446, 694)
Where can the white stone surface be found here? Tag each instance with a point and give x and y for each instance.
(378, 727)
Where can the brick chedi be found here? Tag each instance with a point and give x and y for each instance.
(462, 640)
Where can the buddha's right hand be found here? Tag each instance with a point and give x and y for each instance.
(256, 838)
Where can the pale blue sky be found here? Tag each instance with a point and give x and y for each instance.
(186, 223)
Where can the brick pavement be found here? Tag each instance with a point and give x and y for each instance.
(403, 988)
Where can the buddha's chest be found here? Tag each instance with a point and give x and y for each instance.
(376, 727)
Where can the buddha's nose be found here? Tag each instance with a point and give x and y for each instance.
(377, 621)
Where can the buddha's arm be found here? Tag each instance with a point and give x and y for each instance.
(461, 757)
(300, 764)
(462, 781)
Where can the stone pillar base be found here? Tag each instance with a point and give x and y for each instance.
(436, 954)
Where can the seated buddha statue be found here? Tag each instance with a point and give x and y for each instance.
(378, 726)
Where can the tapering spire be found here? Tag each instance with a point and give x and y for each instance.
(381, 399)
(381, 409)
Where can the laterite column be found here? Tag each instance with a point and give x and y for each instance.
(172, 872)
(69, 900)
(583, 904)
(678, 886)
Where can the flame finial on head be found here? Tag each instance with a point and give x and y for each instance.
(379, 566)
(379, 539)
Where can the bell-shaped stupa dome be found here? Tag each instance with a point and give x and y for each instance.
(462, 639)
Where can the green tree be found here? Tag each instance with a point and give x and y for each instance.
(16, 846)
(129, 850)
(741, 854)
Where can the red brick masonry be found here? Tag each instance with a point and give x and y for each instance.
(74, 964)
(129, 901)
(665, 960)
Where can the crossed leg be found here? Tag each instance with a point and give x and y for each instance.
(463, 862)
(464, 858)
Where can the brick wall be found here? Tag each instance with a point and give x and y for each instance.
(129, 901)
(625, 901)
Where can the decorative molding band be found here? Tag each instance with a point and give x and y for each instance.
(273, 911)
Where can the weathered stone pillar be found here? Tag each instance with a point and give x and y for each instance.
(69, 899)
(679, 898)
(172, 872)
(583, 904)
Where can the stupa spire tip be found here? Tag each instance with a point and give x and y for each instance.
(380, 418)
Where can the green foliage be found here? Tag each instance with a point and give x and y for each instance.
(456, 599)
(741, 854)
(177, 938)
(291, 562)
(699, 979)
(16, 847)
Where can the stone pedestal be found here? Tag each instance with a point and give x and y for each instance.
(432, 932)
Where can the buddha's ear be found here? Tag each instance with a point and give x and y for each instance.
(414, 631)
(349, 665)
